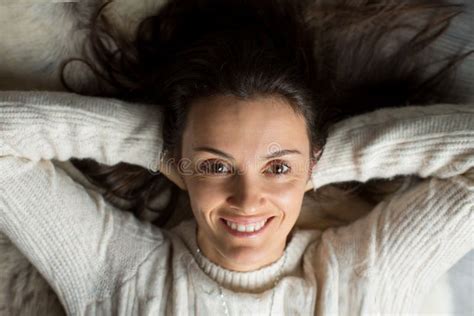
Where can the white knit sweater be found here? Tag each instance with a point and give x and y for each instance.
(103, 261)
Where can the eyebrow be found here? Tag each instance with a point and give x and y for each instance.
(275, 154)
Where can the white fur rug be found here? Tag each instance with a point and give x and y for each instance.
(23, 291)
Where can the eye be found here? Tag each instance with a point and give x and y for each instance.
(279, 168)
(214, 166)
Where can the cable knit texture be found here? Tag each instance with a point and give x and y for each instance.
(103, 261)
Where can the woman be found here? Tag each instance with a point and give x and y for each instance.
(240, 118)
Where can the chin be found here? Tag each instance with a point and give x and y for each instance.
(247, 258)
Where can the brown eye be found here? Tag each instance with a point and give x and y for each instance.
(214, 167)
(279, 168)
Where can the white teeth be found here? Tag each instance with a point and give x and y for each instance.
(250, 228)
(246, 228)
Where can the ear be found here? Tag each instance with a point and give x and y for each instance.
(168, 167)
(314, 160)
(317, 154)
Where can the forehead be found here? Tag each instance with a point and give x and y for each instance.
(245, 126)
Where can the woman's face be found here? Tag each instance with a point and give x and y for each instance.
(245, 165)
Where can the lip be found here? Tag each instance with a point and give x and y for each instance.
(247, 234)
(245, 220)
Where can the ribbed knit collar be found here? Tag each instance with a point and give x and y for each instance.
(251, 281)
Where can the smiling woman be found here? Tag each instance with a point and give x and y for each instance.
(248, 92)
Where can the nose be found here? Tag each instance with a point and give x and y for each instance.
(247, 195)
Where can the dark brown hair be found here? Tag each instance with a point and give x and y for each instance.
(329, 59)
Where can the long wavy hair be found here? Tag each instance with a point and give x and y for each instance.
(329, 59)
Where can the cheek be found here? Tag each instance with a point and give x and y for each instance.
(286, 198)
(289, 200)
(204, 198)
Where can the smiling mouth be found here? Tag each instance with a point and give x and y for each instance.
(246, 230)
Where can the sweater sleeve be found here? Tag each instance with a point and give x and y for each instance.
(83, 246)
(416, 234)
